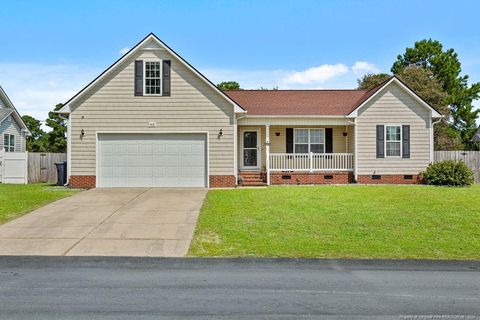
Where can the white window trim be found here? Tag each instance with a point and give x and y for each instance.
(308, 143)
(145, 79)
(259, 149)
(10, 136)
(400, 141)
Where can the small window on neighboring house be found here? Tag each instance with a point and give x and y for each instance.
(393, 141)
(309, 140)
(9, 142)
(153, 78)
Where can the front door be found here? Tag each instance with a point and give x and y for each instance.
(251, 150)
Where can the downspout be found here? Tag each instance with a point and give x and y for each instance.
(432, 148)
(68, 147)
(354, 123)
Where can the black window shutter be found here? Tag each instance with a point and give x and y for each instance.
(380, 141)
(328, 140)
(139, 77)
(166, 78)
(405, 141)
(289, 139)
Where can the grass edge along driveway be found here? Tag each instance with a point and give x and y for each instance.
(19, 199)
(354, 221)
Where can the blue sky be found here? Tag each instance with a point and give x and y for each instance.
(51, 49)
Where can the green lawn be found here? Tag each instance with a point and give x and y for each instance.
(18, 199)
(416, 222)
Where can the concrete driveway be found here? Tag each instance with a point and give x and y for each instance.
(108, 222)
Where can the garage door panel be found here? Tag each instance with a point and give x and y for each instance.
(152, 160)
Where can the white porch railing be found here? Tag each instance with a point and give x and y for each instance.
(310, 162)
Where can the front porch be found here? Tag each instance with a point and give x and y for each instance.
(295, 154)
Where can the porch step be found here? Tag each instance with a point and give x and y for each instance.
(253, 184)
(254, 178)
(250, 173)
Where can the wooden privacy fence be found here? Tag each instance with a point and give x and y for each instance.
(41, 166)
(471, 158)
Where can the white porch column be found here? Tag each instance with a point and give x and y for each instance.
(267, 152)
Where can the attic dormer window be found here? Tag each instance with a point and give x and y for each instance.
(153, 78)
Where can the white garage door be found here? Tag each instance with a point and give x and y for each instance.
(152, 160)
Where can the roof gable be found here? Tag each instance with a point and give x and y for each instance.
(371, 94)
(150, 42)
(4, 113)
(11, 110)
(476, 137)
(320, 103)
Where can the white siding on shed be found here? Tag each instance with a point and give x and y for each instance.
(393, 105)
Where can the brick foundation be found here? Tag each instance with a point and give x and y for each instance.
(389, 179)
(311, 177)
(88, 182)
(222, 181)
(82, 182)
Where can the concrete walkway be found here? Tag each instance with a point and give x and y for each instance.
(108, 222)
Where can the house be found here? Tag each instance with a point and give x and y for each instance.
(152, 119)
(13, 130)
(476, 136)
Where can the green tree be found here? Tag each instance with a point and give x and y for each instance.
(229, 85)
(56, 138)
(428, 87)
(36, 141)
(372, 80)
(446, 67)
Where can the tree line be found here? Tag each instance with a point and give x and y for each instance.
(42, 141)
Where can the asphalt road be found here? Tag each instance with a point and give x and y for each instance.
(156, 288)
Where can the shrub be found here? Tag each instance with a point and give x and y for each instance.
(448, 173)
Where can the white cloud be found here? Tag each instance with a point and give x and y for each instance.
(325, 76)
(364, 67)
(124, 50)
(35, 89)
(248, 79)
(319, 74)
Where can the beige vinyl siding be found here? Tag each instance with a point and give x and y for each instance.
(393, 105)
(278, 144)
(192, 106)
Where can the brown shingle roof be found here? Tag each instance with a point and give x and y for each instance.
(301, 102)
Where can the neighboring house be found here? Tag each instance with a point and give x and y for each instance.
(476, 136)
(13, 130)
(151, 119)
